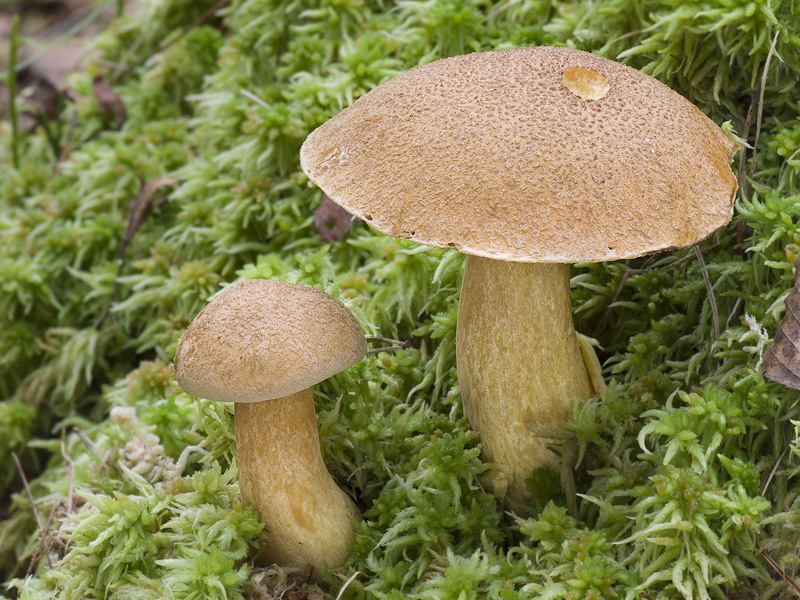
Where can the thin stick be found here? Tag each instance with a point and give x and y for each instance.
(389, 348)
(625, 36)
(602, 320)
(12, 90)
(761, 101)
(71, 464)
(498, 10)
(254, 98)
(774, 470)
(779, 570)
(736, 306)
(86, 442)
(65, 149)
(346, 583)
(396, 344)
(630, 272)
(372, 339)
(39, 551)
(27, 489)
(710, 291)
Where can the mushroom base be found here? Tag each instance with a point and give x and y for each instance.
(309, 519)
(519, 364)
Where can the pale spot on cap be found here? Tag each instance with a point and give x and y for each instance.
(585, 83)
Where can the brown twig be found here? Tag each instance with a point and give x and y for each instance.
(630, 272)
(403, 346)
(71, 464)
(28, 490)
(614, 298)
(759, 114)
(39, 550)
(772, 473)
(65, 149)
(141, 207)
(627, 35)
(499, 10)
(710, 290)
(86, 442)
(396, 345)
(779, 570)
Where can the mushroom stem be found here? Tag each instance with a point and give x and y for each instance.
(519, 363)
(309, 519)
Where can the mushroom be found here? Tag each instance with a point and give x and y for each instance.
(527, 160)
(262, 344)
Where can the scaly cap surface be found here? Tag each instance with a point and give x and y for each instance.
(262, 339)
(533, 154)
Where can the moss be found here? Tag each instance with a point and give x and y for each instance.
(681, 482)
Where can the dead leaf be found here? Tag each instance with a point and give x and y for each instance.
(331, 220)
(143, 204)
(141, 207)
(782, 358)
(43, 101)
(109, 101)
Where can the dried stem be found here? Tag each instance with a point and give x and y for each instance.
(396, 345)
(630, 272)
(346, 583)
(499, 10)
(87, 442)
(388, 348)
(710, 291)
(761, 102)
(28, 490)
(779, 570)
(774, 470)
(39, 550)
(71, 464)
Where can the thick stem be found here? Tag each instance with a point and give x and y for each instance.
(519, 363)
(309, 520)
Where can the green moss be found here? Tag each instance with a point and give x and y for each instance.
(682, 479)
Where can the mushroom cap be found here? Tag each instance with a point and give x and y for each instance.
(533, 154)
(262, 339)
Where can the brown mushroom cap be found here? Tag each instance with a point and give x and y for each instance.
(262, 339)
(533, 154)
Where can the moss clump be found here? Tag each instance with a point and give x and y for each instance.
(682, 483)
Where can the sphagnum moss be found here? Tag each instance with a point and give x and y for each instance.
(685, 478)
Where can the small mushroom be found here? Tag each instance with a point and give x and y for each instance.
(262, 344)
(527, 160)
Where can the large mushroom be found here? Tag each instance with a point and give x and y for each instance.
(527, 160)
(262, 344)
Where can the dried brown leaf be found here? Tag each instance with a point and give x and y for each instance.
(331, 220)
(143, 204)
(782, 358)
(141, 207)
(109, 101)
(43, 102)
